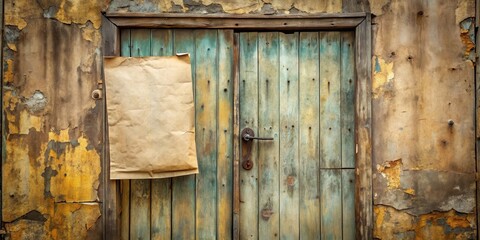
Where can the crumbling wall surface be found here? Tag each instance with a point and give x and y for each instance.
(423, 119)
(52, 168)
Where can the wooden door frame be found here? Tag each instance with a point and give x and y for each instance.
(360, 23)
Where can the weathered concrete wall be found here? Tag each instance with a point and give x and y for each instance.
(423, 112)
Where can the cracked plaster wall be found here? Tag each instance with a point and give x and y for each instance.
(423, 120)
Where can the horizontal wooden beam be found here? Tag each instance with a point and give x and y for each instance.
(245, 22)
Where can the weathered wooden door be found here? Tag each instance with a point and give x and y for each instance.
(298, 88)
(196, 206)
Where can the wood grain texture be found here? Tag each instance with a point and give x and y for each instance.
(183, 188)
(140, 209)
(110, 40)
(161, 193)
(330, 124)
(206, 84)
(363, 164)
(125, 184)
(347, 99)
(331, 203)
(348, 204)
(268, 122)
(161, 209)
(140, 42)
(225, 135)
(125, 43)
(254, 22)
(140, 189)
(248, 91)
(125, 205)
(289, 149)
(236, 137)
(309, 115)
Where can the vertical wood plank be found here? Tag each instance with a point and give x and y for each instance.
(125, 218)
(248, 77)
(289, 189)
(348, 99)
(363, 112)
(309, 112)
(110, 40)
(125, 184)
(236, 137)
(331, 203)
(161, 45)
(330, 124)
(348, 203)
(225, 135)
(183, 188)
(140, 189)
(140, 209)
(125, 43)
(206, 87)
(268, 151)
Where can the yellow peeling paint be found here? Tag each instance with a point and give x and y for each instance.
(28, 121)
(26, 229)
(22, 181)
(409, 191)
(61, 136)
(12, 46)
(92, 35)
(391, 223)
(80, 12)
(8, 74)
(382, 74)
(9, 104)
(78, 171)
(391, 170)
(73, 220)
(467, 41)
(18, 12)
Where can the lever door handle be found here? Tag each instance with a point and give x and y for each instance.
(248, 137)
(248, 134)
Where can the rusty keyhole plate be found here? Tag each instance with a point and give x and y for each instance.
(247, 146)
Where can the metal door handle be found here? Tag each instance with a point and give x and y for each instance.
(248, 134)
(247, 137)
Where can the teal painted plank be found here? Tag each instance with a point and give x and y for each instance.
(140, 42)
(206, 76)
(248, 76)
(289, 128)
(348, 203)
(140, 189)
(162, 42)
(161, 45)
(268, 121)
(348, 99)
(225, 135)
(309, 113)
(330, 124)
(125, 43)
(183, 188)
(331, 203)
(140, 209)
(125, 184)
